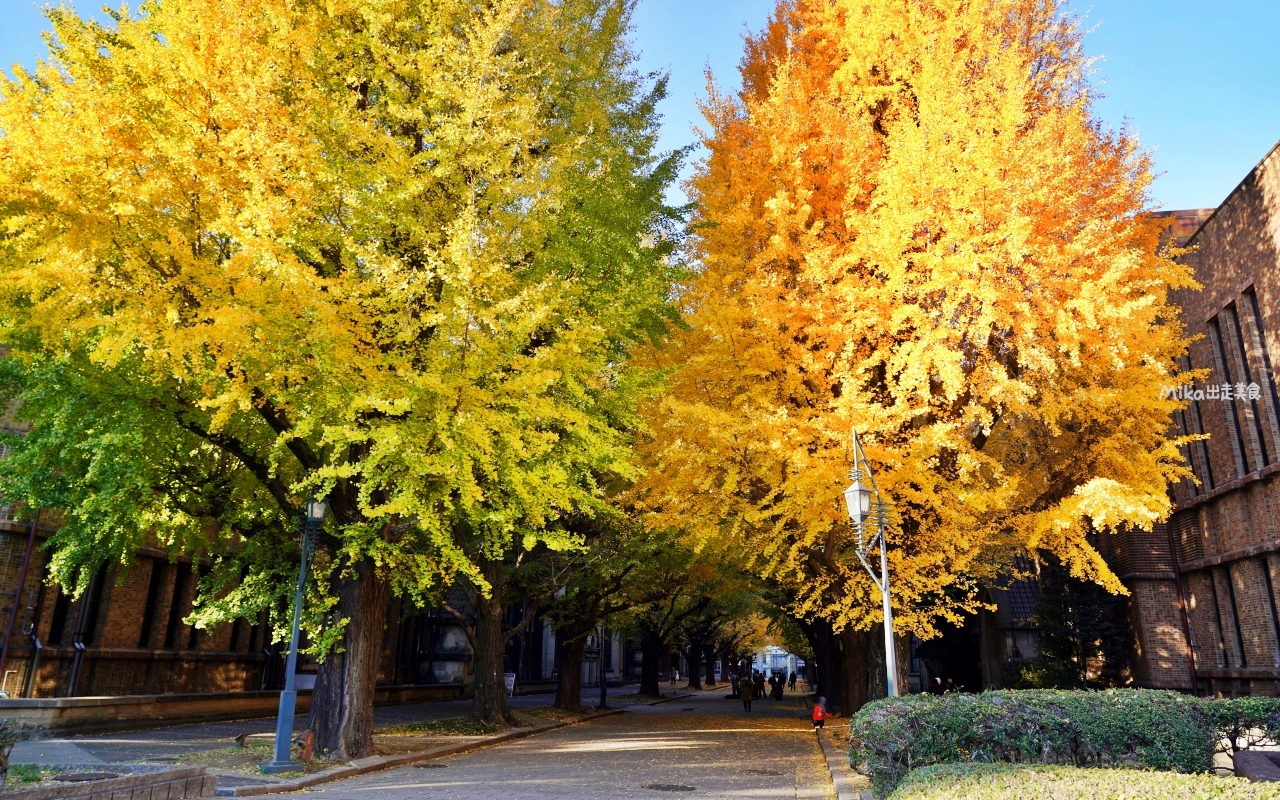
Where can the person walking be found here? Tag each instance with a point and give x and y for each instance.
(746, 691)
(820, 714)
(675, 676)
(759, 685)
(791, 682)
(734, 683)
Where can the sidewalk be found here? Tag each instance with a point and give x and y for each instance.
(167, 744)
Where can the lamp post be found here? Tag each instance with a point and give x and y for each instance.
(604, 685)
(867, 506)
(289, 697)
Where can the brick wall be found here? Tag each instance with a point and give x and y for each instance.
(125, 653)
(1225, 529)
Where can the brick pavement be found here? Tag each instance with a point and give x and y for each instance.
(700, 747)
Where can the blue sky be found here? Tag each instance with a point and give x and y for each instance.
(1199, 82)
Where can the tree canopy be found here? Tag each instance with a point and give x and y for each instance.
(396, 254)
(910, 222)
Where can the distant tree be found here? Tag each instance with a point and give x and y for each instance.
(1082, 631)
(612, 572)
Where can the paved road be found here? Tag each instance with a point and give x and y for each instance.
(700, 747)
(117, 748)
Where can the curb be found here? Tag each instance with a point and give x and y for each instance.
(671, 699)
(363, 766)
(838, 767)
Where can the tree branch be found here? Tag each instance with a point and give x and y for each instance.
(256, 467)
(462, 623)
(524, 623)
(279, 423)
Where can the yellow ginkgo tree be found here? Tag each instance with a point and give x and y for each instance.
(911, 223)
(395, 253)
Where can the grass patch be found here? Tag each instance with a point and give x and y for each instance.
(21, 776)
(26, 773)
(245, 760)
(398, 746)
(459, 726)
(635, 698)
(556, 714)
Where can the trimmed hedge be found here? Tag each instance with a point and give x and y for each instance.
(1158, 730)
(1016, 782)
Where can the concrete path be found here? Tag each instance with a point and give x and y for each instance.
(168, 743)
(699, 747)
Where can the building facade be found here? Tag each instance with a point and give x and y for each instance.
(1204, 606)
(125, 635)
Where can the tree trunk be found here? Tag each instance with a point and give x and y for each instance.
(823, 650)
(710, 657)
(489, 701)
(694, 657)
(854, 670)
(650, 652)
(902, 647)
(569, 681)
(341, 715)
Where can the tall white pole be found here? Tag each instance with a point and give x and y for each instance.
(890, 652)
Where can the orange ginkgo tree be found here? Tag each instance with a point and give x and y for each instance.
(911, 222)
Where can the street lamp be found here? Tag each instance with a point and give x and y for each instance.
(604, 685)
(289, 697)
(866, 506)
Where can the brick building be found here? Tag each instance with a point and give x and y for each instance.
(1203, 610)
(125, 635)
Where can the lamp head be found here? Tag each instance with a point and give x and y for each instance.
(316, 510)
(858, 500)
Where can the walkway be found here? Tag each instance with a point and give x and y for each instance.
(700, 747)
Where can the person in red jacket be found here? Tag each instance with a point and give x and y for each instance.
(820, 713)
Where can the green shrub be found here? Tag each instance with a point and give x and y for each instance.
(1040, 675)
(1246, 722)
(1124, 727)
(1016, 782)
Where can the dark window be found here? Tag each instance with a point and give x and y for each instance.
(176, 606)
(1275, 613)
(88, 628)
(195, 632)
(253, 632)
(88, 632)
(58, 625)
(1223, 369)
(1217, 613)
(153, 599)
(1267, 375)
(1235, 615)
(1234, 318)
(1199, 428)
(238, 626)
